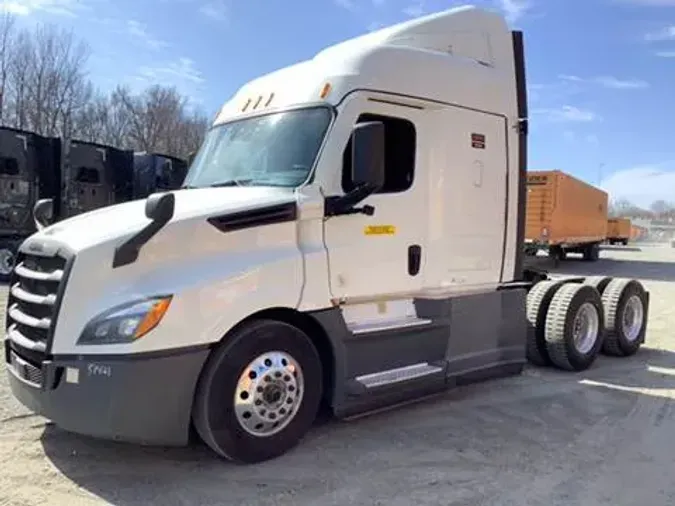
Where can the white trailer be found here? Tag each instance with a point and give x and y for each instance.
(350, 235)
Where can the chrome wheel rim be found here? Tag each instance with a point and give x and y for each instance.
(585, 327)
(269, 393)
(633, 317)
(6, 261)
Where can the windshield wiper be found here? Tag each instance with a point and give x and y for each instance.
(231, 182)
(222, 184)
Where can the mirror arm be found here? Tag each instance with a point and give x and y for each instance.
(345, 204)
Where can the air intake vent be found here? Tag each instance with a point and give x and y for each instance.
(255, 217)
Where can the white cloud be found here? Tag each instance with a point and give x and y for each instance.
(514, 10)
(415, 9)
(181, 73)
(567, 77)
(567, 113)
(28, 7)
(651, 3)
(665, 54)
(217, 10)
(182, 69)
(608, 82)
(592, 139)
(643, 184)
(667, 33)
(139, 32)
(619, 84)
(572, 136)
(346, 4)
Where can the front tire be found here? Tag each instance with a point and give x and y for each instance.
(8, 249)
(259, 392)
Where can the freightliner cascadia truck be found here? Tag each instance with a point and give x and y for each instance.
(349, 236)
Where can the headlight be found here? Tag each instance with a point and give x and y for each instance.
(126, 323)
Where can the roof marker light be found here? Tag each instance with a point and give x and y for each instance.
(269, 100)
(248, 102)
(325, 90)
(257, 102)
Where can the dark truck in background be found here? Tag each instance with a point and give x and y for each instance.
(52, 180)
(95, 176)
(154, 172)
(30, 169)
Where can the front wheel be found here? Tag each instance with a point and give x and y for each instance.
(259, 392)
(7, 253)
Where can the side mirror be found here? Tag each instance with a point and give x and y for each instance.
(159, 207)
(43, 213)
(368, 154)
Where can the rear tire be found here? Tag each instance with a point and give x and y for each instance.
(259, 392)
(574, 327)
(598, 282)
(538, 300)
(625, 302)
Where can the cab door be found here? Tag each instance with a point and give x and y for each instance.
(382, 255)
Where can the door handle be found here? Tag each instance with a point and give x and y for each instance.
(414, 259)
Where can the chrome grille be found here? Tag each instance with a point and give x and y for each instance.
(32, 304)
(25, 370)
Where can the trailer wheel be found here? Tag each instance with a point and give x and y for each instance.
(598, 282)
(574, 327)
(538, 300)
(7, 253)
(259, 392)
(592, 253)
(626, 316)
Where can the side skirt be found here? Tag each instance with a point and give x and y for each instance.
(392, 353)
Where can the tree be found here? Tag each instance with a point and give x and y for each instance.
(44, 87)
(7, 23)
(661, 208)
(624, 208)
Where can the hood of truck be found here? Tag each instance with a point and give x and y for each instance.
(121, 220)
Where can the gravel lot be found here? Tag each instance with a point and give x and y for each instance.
(545, 438)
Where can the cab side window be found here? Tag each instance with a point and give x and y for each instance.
(399, 159)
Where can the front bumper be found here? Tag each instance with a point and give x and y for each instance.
(143, 399)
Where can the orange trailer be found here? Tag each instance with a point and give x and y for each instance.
(637, 233)
(564, 215)
(618, 230)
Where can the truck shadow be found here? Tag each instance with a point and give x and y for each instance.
(461, 434)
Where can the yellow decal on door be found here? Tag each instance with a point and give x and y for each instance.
(380, 230)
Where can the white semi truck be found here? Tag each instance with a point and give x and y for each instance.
(350, 235)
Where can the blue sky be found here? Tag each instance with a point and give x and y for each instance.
(601, 73)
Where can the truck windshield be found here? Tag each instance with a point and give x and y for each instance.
(277, 149)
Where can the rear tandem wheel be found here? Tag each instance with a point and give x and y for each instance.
(571, 322)
(538, 300)
(575, 326)
(625, 303)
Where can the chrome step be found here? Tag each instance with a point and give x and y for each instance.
(389, 324)
(398, 375)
